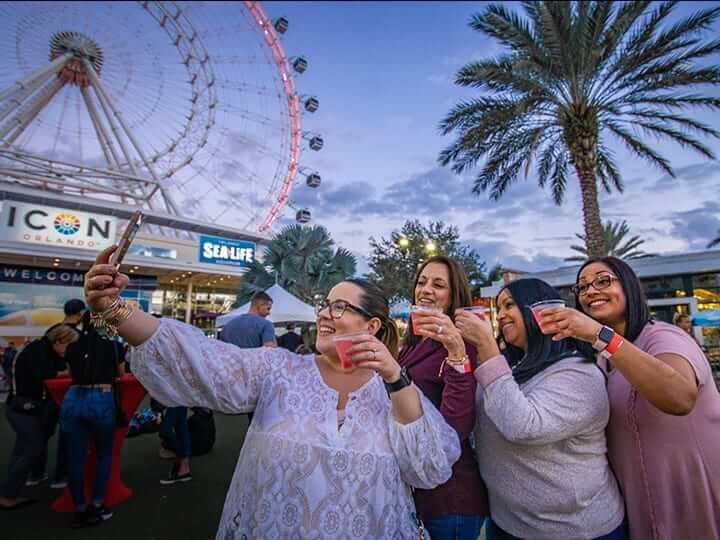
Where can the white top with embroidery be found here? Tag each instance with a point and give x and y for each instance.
(298, 475)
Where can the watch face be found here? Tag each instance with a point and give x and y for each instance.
(606, 334)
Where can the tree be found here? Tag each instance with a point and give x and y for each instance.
(302, 261)
(573, 74)
(616, 243)
(715, 242)
(394, 260)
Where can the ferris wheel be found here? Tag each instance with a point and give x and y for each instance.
(188, 108)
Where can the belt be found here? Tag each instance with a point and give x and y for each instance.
(103, 387)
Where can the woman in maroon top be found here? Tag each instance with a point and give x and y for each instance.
(456, 509)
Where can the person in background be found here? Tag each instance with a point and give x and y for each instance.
(664, 430)
(74, 310)
(7, 360)
(27, 406)
(333, 452)
(683, 320)
(290, 340)
(457, 508)
(88, 413)
(252, 329)
(176, 444)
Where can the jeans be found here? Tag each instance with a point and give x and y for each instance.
(50, 423)
(174, 431)
(454, 527)
(88, 413)
(30, 445)
(496, 533)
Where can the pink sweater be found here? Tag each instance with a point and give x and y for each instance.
(668, 466)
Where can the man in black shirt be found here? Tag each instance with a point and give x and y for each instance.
(290, 340)
(27, 407)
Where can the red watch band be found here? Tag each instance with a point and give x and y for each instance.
(614, 345)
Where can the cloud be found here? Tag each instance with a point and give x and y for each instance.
(698, 226)
(697, 173)
(497, 252)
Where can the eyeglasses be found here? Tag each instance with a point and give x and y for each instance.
(599, 283)
(338, 307)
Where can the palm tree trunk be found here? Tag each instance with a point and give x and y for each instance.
(584, 157)
(594, 238)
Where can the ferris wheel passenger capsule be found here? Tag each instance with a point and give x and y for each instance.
(303, 216)
(281, 25)
(300, 64)
(313, 180)
(316, 143)
(311, 104)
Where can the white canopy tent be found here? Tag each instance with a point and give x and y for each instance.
(285, 308)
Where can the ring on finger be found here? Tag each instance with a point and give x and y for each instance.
(439, 329)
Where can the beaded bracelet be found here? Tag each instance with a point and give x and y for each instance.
(461, 365)
(112, 317)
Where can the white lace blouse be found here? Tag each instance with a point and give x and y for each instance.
(298, 475)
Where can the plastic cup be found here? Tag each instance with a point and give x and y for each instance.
(343, 343)
(538, 307)
(415, 309)
(480, 311)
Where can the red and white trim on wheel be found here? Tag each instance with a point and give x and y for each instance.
(281, 61)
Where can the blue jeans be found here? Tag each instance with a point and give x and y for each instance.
(174, 431)
(88, 413)
(454, 527)
(496, 533)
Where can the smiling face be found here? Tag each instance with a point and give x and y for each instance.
(350, 322)
(510, 320)
(607, 305)
(433, 286)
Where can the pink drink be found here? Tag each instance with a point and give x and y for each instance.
(538, 307)
(480, 311)
(342, 345)
(414, 310)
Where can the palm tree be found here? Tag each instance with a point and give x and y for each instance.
(715, 242)
(573, 74)
(302, 261)
(616, 243)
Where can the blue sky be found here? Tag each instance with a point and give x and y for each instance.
(383, 72)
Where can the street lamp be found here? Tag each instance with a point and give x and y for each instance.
(430, 246)
(403, 242)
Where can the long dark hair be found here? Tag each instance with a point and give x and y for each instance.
(542, 351)
(637, 312)
(374, 301)
(460, 295)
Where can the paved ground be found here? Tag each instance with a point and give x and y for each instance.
(183, 511)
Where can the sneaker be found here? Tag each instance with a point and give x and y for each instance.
(59, 484)
(36, 481)
(175, 477)
(103, 513)
(84, 519)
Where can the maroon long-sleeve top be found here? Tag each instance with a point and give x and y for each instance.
(453, 393)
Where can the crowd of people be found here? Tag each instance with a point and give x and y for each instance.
(592, 422)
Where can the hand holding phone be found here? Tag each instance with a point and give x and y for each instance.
(128, 236)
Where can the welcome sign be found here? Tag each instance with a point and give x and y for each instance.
(48, 225)
(216, 250)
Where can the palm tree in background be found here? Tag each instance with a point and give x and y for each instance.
(715, 242)
(617, 243)
(574, 74)
(302, 261)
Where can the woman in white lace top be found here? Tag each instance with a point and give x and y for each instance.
(328, 455)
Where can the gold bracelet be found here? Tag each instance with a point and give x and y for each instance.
(111, 318)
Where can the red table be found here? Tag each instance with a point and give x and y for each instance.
(131, 394)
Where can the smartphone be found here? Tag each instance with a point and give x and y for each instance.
(128, 236)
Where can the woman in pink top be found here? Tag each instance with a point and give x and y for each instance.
(664, 430)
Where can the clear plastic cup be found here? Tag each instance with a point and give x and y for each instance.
(538, 307)
(343, 343)
(415, 309)
(480, 311)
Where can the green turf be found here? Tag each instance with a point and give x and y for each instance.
(182, 511)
